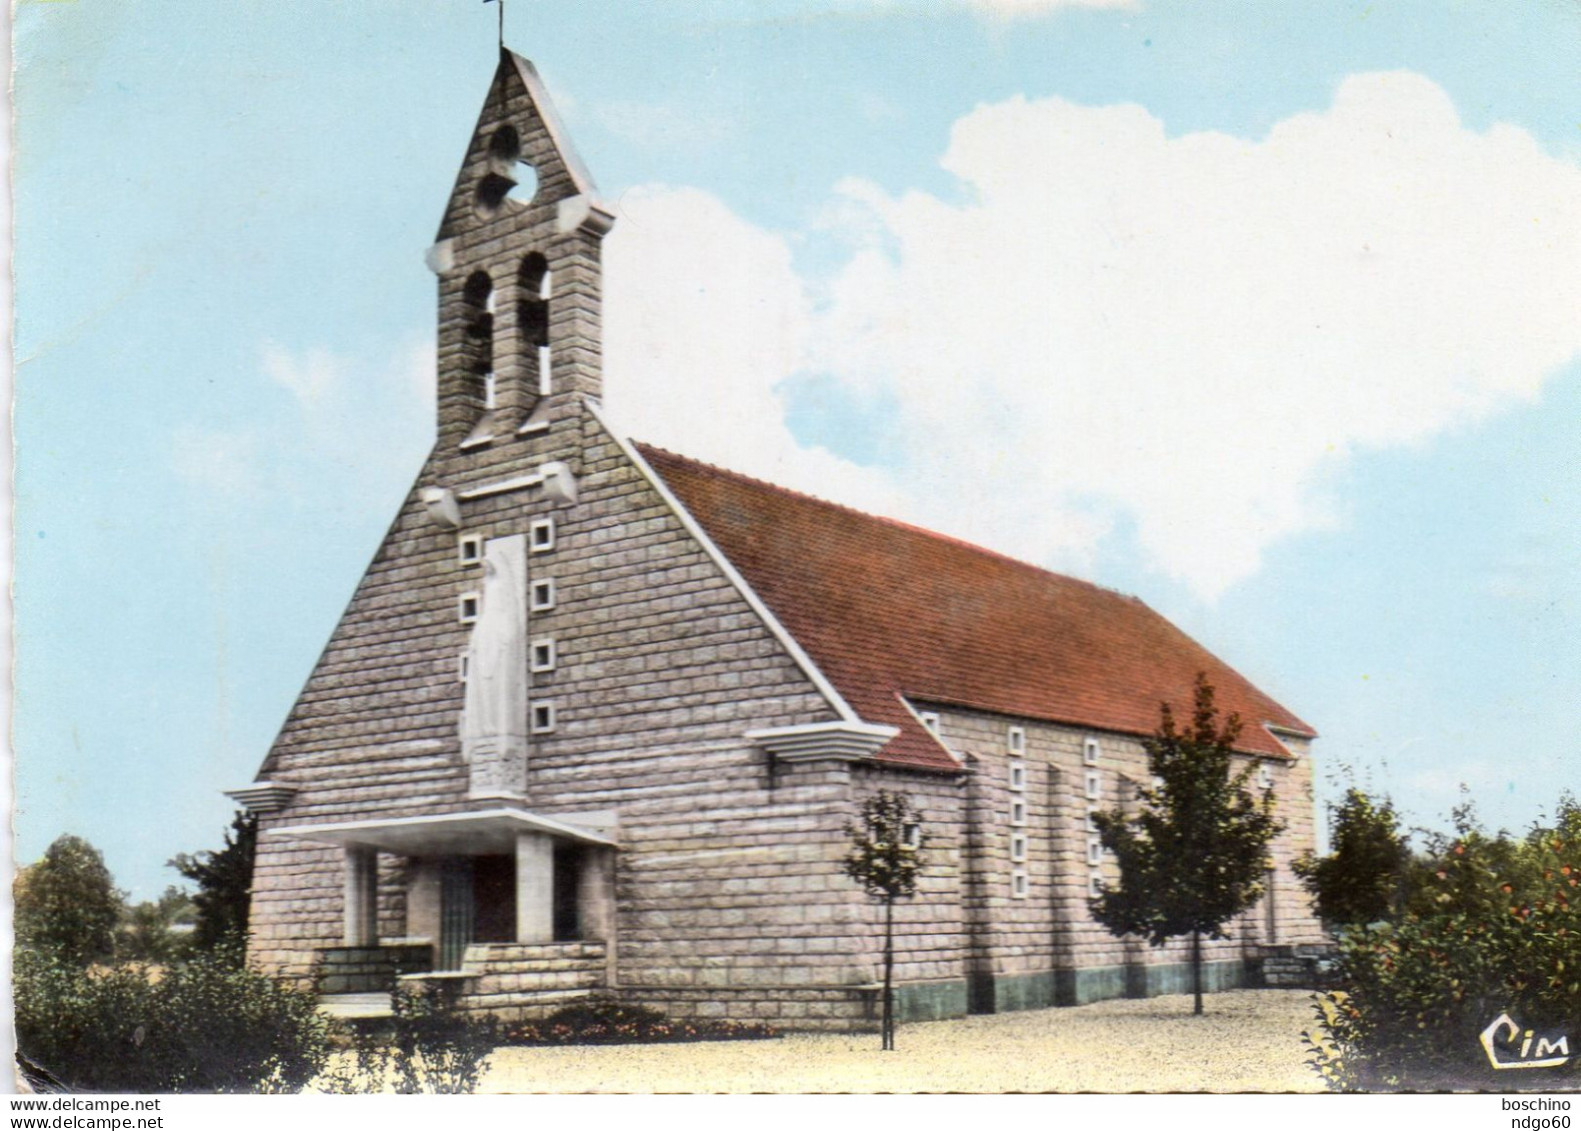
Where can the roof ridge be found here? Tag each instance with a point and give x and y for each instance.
(901, 524)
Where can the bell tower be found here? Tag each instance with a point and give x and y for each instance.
(518, 261)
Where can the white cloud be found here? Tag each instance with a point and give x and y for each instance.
(340, 401)
(704, 315)
(1185, 334)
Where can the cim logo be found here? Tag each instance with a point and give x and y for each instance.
(1532, 1052)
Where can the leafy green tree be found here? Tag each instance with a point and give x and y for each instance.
(149, 930)
(224, 880)
(1194, 854)
(885, 858)
(66, 904)
(1363, 878)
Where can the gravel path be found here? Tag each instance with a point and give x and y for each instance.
(1247, 1041)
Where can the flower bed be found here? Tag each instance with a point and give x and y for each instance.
(610, 1023)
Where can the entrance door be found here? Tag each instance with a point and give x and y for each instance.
(494, 899)
(567, 875)
(456, 911)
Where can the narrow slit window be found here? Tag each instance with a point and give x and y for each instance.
(543, 595)
(1092, 822)
(911, 835)
(543, 654)
(468, 606)
(1094, 785)
(469, 549)
(1094, 851)
(1094, 886)
(1016, 740)
(543, 718)
(1018, 776)
(1091, 752)
(1018, 848)
(1020, 887)
(541, 535)
(1265, 777)
(1018, 812)
(461, 667)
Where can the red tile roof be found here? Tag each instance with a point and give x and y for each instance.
(889, 610)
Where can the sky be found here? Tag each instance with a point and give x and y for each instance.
(1267, 314)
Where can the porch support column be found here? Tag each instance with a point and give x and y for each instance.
(362, 896)
(595, 894)
(534, 888)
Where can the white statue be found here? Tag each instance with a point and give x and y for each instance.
(494, 710)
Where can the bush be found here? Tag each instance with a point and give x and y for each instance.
(429, 1048)
(1490, 926)
(602, 1021)
(206, 1025)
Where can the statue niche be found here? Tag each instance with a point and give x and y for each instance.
(494, 710)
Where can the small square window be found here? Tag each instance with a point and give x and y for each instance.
(911, 836)
(1094, 785)
(467, 607)
(1094, 851)
(543, 720)
(1092, 824)
(1019, 887)
(1091, 751)
(469, 549)
(543, 595)
(543, 654)
(540, 535)
(461, 667)
(1016, 740)
(1018, 776)
(1018, 848)
(1094, 886)
(930, 719)
(1018, 812)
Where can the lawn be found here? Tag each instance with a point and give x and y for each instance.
(1248, 1041)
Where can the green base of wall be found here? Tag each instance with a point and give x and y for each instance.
(1007, 993)
(930, 1001)
(1099, 983)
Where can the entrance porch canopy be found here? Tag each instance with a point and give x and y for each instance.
(480, 833)
(528, 837)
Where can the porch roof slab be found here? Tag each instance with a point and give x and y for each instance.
(486, 833)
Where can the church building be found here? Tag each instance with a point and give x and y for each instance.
(597, 716)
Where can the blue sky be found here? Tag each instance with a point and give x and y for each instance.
(1265, 313)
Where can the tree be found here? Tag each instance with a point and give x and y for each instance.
(147, 931)
(224, 880)
(1361, 880)
(885, 857)
(1193, 855)
(66, 904)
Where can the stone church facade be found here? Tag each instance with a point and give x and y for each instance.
(597, 714)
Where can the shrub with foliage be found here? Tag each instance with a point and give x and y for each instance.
(67, 905)
(605, 1022)
(206, 1025)
(1363, 878)
(427, 1048)
(1491, 925)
